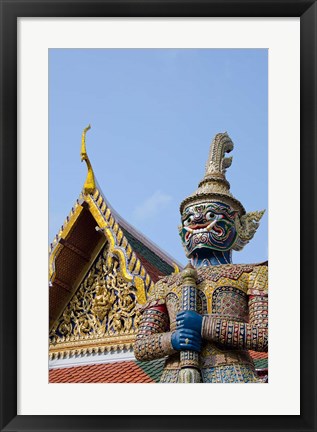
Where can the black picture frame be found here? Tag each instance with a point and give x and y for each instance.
(10, 11)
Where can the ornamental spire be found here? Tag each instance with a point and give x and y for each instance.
(90, 184)
(217, 163)
(214, 185)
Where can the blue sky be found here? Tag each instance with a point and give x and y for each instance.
(153, 115)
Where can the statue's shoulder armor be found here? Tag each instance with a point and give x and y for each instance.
(258, 280)
(226, 271)
(156, 295)
(171, 281)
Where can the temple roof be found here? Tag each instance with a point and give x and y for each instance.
(128, 371)
(117, 372)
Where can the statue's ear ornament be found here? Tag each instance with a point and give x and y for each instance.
(246, 226)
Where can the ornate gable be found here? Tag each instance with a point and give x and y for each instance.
(101, 316)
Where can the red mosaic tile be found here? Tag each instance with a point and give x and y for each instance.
(258, 355)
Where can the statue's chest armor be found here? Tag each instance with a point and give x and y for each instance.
(222, 296)
(229, 301)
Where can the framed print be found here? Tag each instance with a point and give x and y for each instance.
(32, 33)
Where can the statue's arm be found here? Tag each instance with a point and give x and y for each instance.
(153, 338)
(252, 335)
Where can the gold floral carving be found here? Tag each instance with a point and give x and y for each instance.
(101, 314)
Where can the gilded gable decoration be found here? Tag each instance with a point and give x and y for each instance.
(101, 316)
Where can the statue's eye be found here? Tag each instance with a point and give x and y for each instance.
(210, 215)
(189, 220)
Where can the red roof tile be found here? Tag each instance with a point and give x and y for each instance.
(118, 372)
(152, 270)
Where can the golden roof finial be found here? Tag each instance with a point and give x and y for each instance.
(90, 185)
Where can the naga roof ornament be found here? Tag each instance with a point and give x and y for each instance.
(215, 187)
(90, 184)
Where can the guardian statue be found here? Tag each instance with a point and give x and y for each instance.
(205, 319)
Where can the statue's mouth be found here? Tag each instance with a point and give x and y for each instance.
(203, 228)
(206, 227)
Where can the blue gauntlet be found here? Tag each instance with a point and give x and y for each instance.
(186, 339)
(189, 320)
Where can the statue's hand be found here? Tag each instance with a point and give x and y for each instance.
(186, 339)
(189, 320)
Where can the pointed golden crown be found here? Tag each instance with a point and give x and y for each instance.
(214, 185)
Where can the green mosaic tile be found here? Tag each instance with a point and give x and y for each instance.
(153, 368)
(261, 363)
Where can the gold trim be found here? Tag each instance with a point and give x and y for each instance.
(71, 347)
(176, 268)
(139, 284)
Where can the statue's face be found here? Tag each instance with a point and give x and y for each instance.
(208, 225)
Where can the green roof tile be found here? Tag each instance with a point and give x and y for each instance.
(153, 368)
(149, 255)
